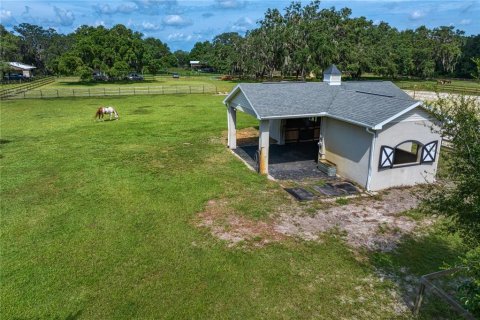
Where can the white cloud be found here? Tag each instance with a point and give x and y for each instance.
(99, 23)
(26, 12)
(230, 4)
(207, 14)
(179, 36)
(127, 8)
(148, 26)
(176, 21)
(417, 14)
(6, 18)
(65, 17)
(104, 8)
(153, 7)
(243, 24)
(465, 22)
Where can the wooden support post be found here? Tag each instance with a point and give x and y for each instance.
(232, 127)
(321, 143)
(263, 145)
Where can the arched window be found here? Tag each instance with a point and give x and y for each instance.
(407, 152)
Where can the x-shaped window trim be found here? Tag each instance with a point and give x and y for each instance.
(429, 151)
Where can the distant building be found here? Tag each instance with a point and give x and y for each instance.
(200, 67)
(194, 64)
(27, 70)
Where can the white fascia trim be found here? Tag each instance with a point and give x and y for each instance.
(349, 121)
(293, 116)
(322, 114)
(231, 94)
(380, 125)
(234, 92)
(370, 158)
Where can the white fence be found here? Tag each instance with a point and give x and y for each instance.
(113, 91)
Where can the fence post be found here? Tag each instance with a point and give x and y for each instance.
(41, 94)
(203, 88)
(148, 89)
(190, 89)
(118, 90)
(418, 301)
(23, 94)
(133, 90)
(216, 89)
(104, 91)
(162, 90)
(89, 92)
(176, 89)
(73, 91)
(57, 93)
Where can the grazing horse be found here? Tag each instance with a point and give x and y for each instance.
(106, 110)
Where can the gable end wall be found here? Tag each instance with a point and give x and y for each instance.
(240, 102)
(392, 135)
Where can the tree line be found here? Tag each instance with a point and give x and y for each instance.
(114, 51)
(306, 39)
(296, 42)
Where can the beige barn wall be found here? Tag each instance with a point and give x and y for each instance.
(394, 134)
(348, 146)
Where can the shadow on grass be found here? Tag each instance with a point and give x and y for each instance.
(142, 110)
(417, 256)
(74, 316)
(4, 141)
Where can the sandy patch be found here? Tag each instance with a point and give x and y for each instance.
(224, 224)
(373, 223)
(370, 223)
(247, 136)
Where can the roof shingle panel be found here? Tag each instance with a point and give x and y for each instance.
(364, 102)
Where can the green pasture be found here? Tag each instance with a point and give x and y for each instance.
(98, 222)
(69, 83)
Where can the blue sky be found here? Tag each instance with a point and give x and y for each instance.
(181, 23)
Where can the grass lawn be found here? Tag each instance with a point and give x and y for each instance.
(97, 222)
(69, 83)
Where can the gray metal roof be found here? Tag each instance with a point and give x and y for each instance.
(22, 66)
(367, 103)
(332, 70)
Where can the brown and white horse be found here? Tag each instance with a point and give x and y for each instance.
(106, 110)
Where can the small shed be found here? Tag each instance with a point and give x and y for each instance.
(25, 69)
(195, 64)
(375, 134)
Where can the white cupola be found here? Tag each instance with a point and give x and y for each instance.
(332, 76)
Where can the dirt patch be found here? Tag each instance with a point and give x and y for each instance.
(247, 136)
(224, 224)
(372, 223)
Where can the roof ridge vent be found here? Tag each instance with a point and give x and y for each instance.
(332, 76)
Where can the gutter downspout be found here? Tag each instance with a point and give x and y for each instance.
(370, 161)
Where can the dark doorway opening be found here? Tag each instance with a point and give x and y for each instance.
(302, 130)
